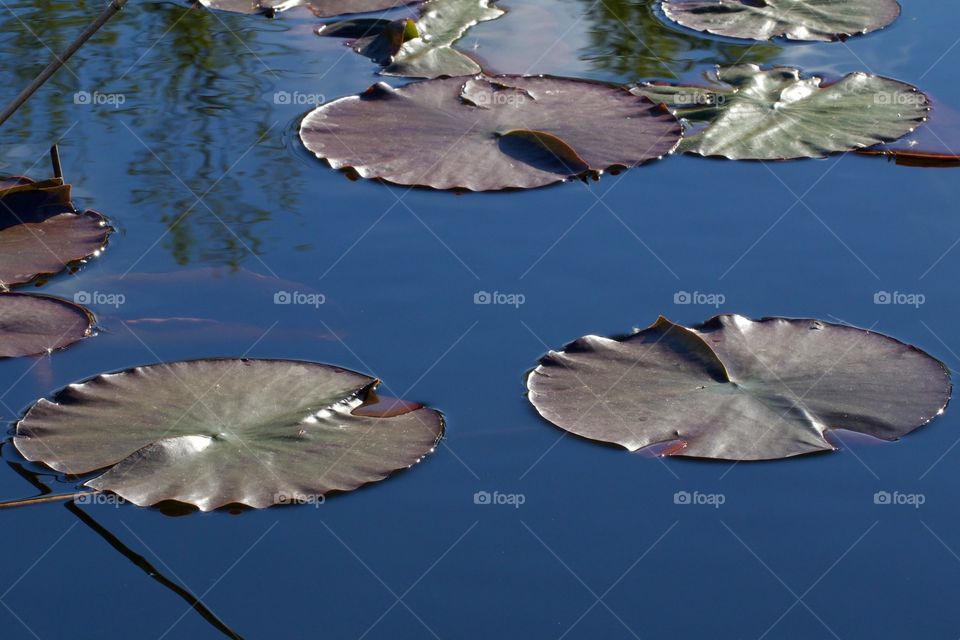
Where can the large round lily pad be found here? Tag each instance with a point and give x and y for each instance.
(819, 20)
(749, 113)
(738, 389)
(487, 133)
(32, 324)
(44, 248)
(216, 432)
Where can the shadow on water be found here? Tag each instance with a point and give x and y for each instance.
(195, 603)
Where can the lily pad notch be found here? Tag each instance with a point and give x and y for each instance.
(737, 389)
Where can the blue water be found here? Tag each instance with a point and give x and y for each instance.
(217, 209)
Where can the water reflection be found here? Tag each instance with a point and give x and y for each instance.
(185, 96)
(627, 39)
(203, 108)
(614, 40)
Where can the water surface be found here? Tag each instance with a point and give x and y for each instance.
(218, 210)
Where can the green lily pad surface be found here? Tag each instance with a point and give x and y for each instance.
(215, 432)
(421, 48)
(749, 113)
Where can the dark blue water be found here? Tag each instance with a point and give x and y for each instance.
(218, 209)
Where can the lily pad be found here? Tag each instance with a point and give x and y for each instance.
(215, 432)
(737, 389)
(377, 39)
(813, 20)
(23, 200)
(488, 133)
(421, 49)
(33, 324)
(44, 248)
(321, 8)
(935, 144)
(749, 113)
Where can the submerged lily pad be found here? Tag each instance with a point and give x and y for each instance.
(487, 133)
(322, 8)
(44, 248)
(817, 20)
(748, 113)
(32, 324)
(215, 432)
(738, 389)
(421, 49)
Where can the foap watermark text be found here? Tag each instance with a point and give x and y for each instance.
(696, 498)
(499, 298)
(299, 298)
(99, 297)
(515, 500)
(699, 298)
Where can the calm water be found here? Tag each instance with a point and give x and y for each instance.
(217, 209)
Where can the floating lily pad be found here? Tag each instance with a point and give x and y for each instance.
(488, 133)
(41, 233)
(45, 248)
(32, 324)
(420, 49)
(322, 8)
(748, 113)
(215, 432)
(817, 20)
(738, 389)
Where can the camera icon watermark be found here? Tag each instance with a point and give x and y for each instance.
(900, 99)
(298, 98)
(99, 498)
(298, 298)
(86, 98)
(714, 300)
(114, 300)
(699, 99)
(514, 300)
(715, 500)
(515, 500)
(914, 300)
(500, 98)
(915, 500)
(299, 498)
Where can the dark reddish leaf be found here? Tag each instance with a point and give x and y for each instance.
(467, 132)
(738, 389)
(32, 324)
